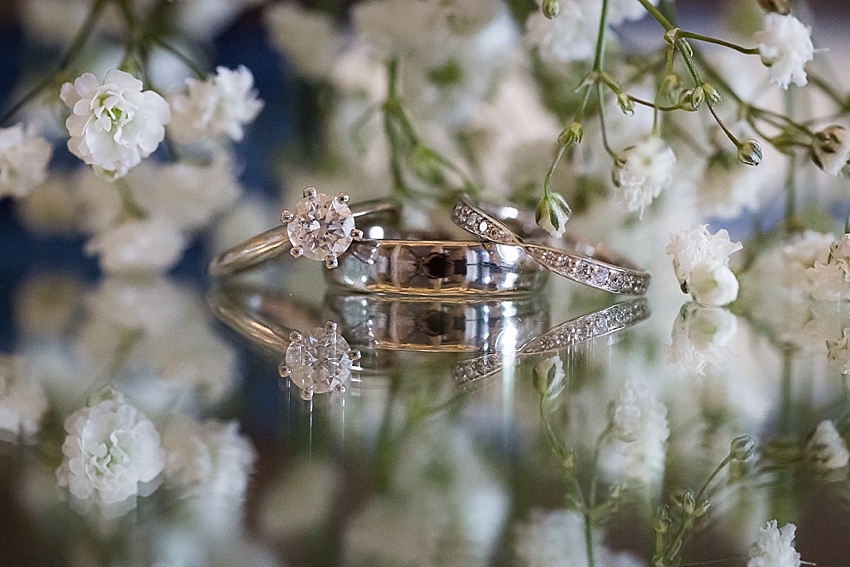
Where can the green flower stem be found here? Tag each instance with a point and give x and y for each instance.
(597, 450)
(602, 121)
(388, 109)
(547, 191)
(73, 52)
(711, 477)
(659, 17)
(599, 56)
(129, 208)
(829, 91)
(791, 223)
(185, 59)
(716, 41)
(654, 105)
(723, 127)
(588, 540)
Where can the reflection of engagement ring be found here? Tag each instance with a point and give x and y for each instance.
(429, 266)
(597, 324)
(462, 325)
(316, 361)
(320, 228)
(586, 264)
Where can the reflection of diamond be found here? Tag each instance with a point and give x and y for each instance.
(321, 226)
(318, 362)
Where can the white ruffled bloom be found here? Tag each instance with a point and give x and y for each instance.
(839, 351)
(640, 422)
(826, 448)
(116, 124)
(775, 547)
(830, 280)
(138, 246)
(641, 172)
(691, 247)
(700, 337)
(713, 283)
(307, 38)
(222, 104)
(23, 160)
(111, 449)
(22, 400)
(209, 459)
(785, 46)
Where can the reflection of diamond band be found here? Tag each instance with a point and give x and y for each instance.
(321, 228)
(444, 267)
(316, 361)
(587, 264)
(597, 324)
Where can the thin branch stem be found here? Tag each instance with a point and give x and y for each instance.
(716, 41)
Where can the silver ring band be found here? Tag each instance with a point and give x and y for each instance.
(429, 267)
(586, 264)
(276, 241)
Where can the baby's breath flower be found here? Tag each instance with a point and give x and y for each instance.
(785, 46)
(695, 245)
(775, 547)
(642, 171)
(640, 421)
(221, 104)
(552, 214)
(569, 37)
(22, 400)
(23, 160)
(138, 246)
(700, 337)
(113, 125)
(826, 448)
(306, 37)
(742, 448)
(750, 152)
(713, 283)
(831, 149)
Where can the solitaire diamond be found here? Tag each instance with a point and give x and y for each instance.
(321, 227)
(318, 362)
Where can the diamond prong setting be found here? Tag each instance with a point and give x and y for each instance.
(310, 193)
(286, 217)
(296, 252)
(319, 361)
(321, 226)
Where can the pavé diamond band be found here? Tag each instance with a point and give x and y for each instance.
(585, 264)
(320, 228)
(424, 264)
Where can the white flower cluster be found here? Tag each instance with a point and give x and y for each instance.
(640, 423)
(700, 260)
(830, 280)
(785, 46)
(307, 38)
(802, 254)
(826, 448)
(775, 547)
(22, 400)
(23, 160)
(700, 337)
(110, 450)
(839, 351)
(641, 172)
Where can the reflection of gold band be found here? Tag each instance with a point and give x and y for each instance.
(586, 264)
(587, 327)
(436, 268)
(439, 326)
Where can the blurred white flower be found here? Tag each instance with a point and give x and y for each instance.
(713, 283)
(839, 351)
(700, 337)
(111, 449)
(50, 207)
(826, 448)
(116, 124)
(785, 46)
(220, 105)
(641, 172)
(22, 400)
(620, 11)
(775, 547)
(301, 500)
(307, 38)
(830, 280)
(727, 186)
(209, 460)
(640, 422)
(569, 37)
(46, 304)
(23, 160)
(138, 246)
(807, 249)
(691, 247)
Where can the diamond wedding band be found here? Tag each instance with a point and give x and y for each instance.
(320, 228)
(585, 264)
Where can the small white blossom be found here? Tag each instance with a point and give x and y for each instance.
(306, 37)
(22, 400)
(700, 337)
(115, 125)
(775, 547)
(839, 351)
(691, 247)
(807, 249)
(828, 282)
(209, 459)
(785, 46)
(640, 421)
(553, 214)
(111, 449)
(831, 149)
(641, 172)
(150, 246)
(569, 37)
(713, 283)
(23, 160)
(222, 104)
(826, 448)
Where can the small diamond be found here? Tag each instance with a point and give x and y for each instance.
(322, 227)
(319, 362)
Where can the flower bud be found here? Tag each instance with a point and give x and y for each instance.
(426, 164)
(552, 214)
(661, 522)
(742, 448)
(551, 9)
(711, 93)
(778, 6)
(831, 149)
(627, 105)
(688, 503)
(698, 97)
(686, 101)
(749, 152)
(702, 508)
(668, 92)
(571, 135)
